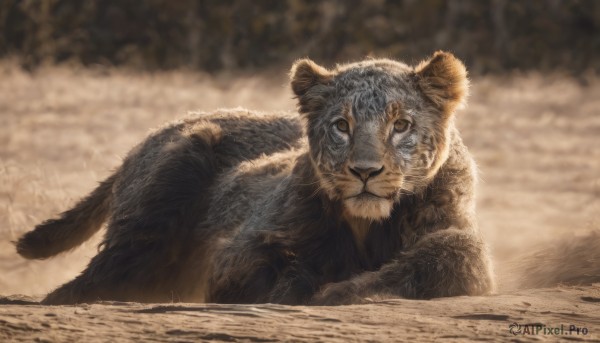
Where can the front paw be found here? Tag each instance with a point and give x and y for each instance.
(334, 294)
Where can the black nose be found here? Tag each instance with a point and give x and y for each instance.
(365, 171)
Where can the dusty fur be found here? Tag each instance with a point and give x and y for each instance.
(368, 191)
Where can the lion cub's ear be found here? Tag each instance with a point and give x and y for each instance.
(309, 81)
(443, 79)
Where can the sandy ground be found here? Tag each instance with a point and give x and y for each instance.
(536, 139)
(534, 313)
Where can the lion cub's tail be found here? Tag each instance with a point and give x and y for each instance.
(74, 226)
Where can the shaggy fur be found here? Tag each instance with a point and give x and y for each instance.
(369, 191)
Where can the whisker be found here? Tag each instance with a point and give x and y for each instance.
(309, 184)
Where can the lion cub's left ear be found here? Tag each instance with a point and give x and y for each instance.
(309, 82)
(443, 79)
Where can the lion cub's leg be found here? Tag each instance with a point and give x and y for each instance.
(445, 263)
(149, 240)
(104, 279)
(133, 272)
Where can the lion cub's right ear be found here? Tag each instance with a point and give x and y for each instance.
(309, 82)
(443, 78)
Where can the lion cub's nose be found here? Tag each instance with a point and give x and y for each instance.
(365, 171)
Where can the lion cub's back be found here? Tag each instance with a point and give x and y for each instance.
(227, 137)
(234, 135)
(246, 135)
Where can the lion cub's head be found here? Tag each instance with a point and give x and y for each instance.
(378, 128)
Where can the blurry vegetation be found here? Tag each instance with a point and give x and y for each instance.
(491, 35)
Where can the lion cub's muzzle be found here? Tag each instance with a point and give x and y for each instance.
(365, 171)
(370, 193)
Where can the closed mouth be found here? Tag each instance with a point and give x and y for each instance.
(366, 196)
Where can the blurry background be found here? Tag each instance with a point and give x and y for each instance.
(493, 35)
(81, 82)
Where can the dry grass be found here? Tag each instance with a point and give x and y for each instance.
(536, 139)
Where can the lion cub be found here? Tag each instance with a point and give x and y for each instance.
(368, 191)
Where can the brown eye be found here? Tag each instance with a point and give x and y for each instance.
(342, 125)
(401, 125)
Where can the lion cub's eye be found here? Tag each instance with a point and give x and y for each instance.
(342, 125)
(402, 125)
